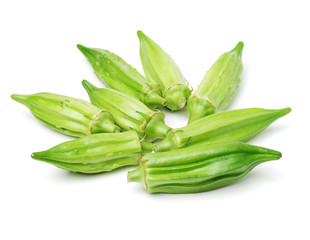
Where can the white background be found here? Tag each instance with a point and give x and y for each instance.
(38, 53)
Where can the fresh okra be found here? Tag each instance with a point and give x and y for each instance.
(218, 86)
(115, 73)
(236, 125)
(71, 116)
(96, 153)
(199, 168)
(128, 112)
(160, 69)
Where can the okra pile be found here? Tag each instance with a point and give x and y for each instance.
(122, 125)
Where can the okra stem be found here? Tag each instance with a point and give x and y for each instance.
(146, 147)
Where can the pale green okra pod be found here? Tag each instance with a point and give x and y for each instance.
(160, 69)
(236, 125)
(218, 86)
(115, 73)
(199, 168)
(71, 116)
(96, 153)
(128, 112)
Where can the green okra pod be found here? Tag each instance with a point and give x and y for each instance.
(115, 73)
(218, 86)
(199, 168)
(128, 112)
(161, 69)
(96, 153)
(71, 116)
(236, 125)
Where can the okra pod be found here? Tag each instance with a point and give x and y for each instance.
(199, 168)
(160, 69)
(236, 125)
(128, 112)
(71, 116)
(96, 153)
(218, 86)
(116, 74)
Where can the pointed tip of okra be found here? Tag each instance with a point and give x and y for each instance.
(140, 34)
(277, 154)
(88, 52)
(284, 111)
(39, 155)
(82, 48)
(88, 86)
(238, 48)
(19, 98)
(273, 154)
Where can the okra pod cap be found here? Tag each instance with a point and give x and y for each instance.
(116, 74)
(159, 68)
(235, 125)
(96, 153)
(71, 116)
(199, 168)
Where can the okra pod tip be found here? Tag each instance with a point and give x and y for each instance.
(88, 86)
(238, 48)
(19, 98)
(35, 155)
(140, 34)
(85, 50)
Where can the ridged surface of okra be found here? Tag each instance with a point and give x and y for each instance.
(128, 112)
(96, 153)
(218, 87)
(236, 125)
(71, 116)
(199, 168)
(115, 73)
(159, 68)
